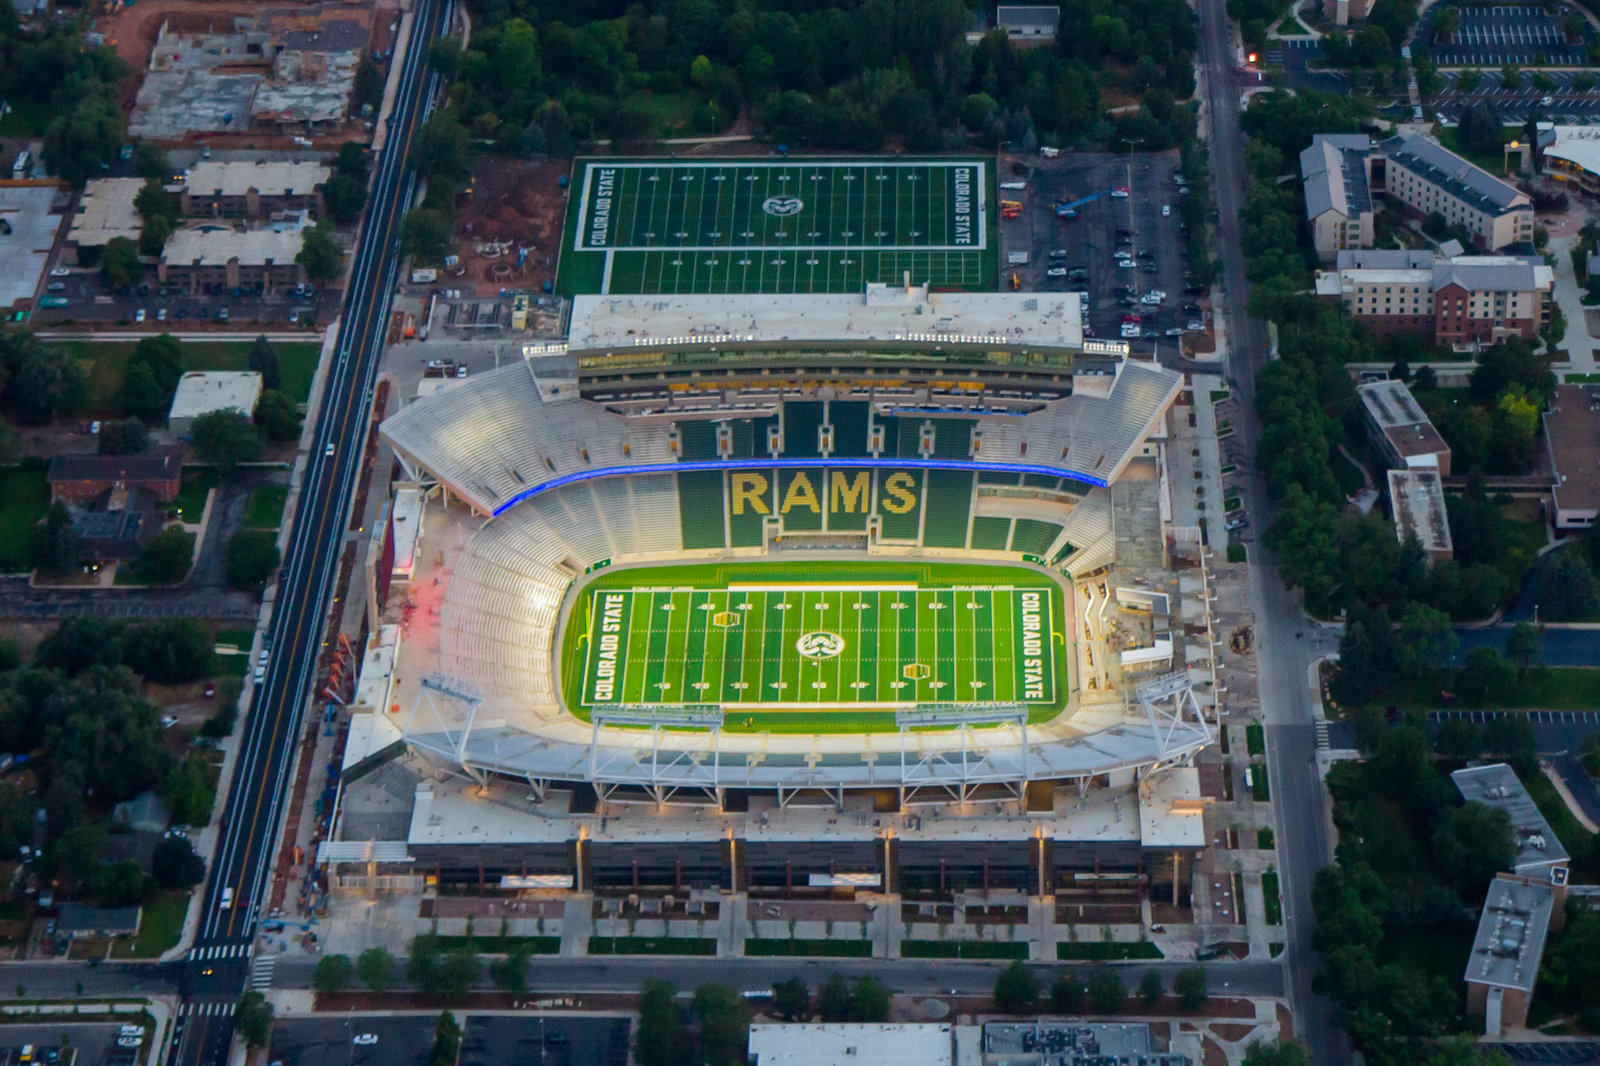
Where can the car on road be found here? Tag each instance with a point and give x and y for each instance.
(328, 451)
(60, 272)
(1121, 192)
(260, 675)
(364, 1039)
(227, 897)
(1166, 210)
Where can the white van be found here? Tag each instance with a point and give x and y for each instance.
(227, 898)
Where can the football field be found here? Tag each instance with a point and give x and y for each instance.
(776, 226)
(820, 646)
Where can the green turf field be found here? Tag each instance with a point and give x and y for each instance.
(777, 226)
(840, 646)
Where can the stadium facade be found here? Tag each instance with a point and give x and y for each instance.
(895, 427)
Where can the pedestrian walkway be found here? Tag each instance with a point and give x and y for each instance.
(261, 972)
(1569, 297)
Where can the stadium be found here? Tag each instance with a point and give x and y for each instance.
(786, 592)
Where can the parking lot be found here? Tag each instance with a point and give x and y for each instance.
(1558, 100)
(92, 1044)
(1297, 57)
(90, 299)
(1125, 204)
(488, 1040)
(1495, 36)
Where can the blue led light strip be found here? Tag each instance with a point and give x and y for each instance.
(791, 464)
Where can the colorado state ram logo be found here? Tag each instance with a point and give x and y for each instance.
(783, 205)
(819, 645)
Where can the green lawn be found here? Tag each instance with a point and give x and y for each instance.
(107, 364)
(505, 945)
(24, 499)
(1255, 739)
(27, 118)
(1264, 839)
(1258, 782)
(853, 949)
(1237, 553)
(1346, 473)
(197, 482)
(670, 112)
(1435, 950)
(1272, 899)
(1557, 688)
(160, 925)
(961, 949)
(234, 665)
(641, 945)
(265, 510)
(1107, 951)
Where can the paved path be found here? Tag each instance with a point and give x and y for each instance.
(1578, 343)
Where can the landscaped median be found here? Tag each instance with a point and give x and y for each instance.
(816, 949)
(651, 945)
(962, 949)
(1107, 950)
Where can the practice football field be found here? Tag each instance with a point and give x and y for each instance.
(820, 646)
(775, 226)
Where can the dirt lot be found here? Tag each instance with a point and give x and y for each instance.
(513, 205)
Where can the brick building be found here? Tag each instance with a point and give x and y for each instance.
(252, 190)
(218, 260)
(82, 477)
(1456, 300)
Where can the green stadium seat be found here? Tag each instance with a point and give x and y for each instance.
(997, 477)
(910, 442)
(990, 533)
(952, 438)
(849, 421)
(949, 502)
(1032, 537)
(698, 439)
(700, 509)
(742, 438)
(801, 420)
(758, 433)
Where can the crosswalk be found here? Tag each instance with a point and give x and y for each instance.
(261, 972)
(220, 951)
(1322, 735)
(212, 1008)
(1550, 717)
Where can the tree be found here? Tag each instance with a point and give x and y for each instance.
(1190, 987)
(1481, 128)
(426, 233)
(791, 1000)
(1066, 995)
(352, 158)
(120, 262)
(79, 642)
(1566, 587)
(833, 1000)
(724, 1025)
(1460, 739)
(320, 254)
(1016, 989)
(264, 361)
(253, 557)
(277, 417)
(458, 971)
(54, 547)
(1523, 646)
(345, 197)
(1107, 993)
(660, 1034)
(1510, 737)
(84, 136)
(1474, 843)
(117, 884)
(1485, 678)
(446, 1041)
(125, 436)
(1150, 988)
(166, 557)
(252, 1019)
(169, 651)
(153, 235)
(511, 972)
(332, 974)
(375, 967)
(1446, 21)
(869, 1000)
(441, 146)
(423, 963)
(43, 383)
(1426, 640)
(225, 439)
(106, 734)
(152, 377)
(175, 864)
(190, 791)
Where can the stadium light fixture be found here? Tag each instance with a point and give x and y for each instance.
(797, 464)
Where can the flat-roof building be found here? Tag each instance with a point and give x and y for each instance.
(831, 1044)
(1497, 786)
(217, 260)
(1572, 438)
(1022, 23)
(1417, 497)
(106, 211)
(1401, 429)
(207, 392)
(1504, 965)
(251, 190)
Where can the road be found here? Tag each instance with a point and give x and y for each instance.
(242, 864)
(1282, 656)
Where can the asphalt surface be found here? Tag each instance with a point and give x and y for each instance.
(1282, 655)
(1516, 34)
(218, 965)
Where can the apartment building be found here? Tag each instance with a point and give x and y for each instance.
(252, 190)
(214, 261)
(1427, 179)
(1449, 299)
(1338, 194)
(1343, 12)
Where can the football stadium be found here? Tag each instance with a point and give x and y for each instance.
(738, 589)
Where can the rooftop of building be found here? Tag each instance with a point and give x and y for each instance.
(307, 87)
(1470, 184)
(160, 464)
(1334, 172)
(26, 238)
(1385, 259)
(1401, 419)
(1496, 785)
(1511, 934)
(217, 246)
(1578, 145)
(267, 178)
(1572, 430)
(202, 392)
(883, 314)
(106, 211)
(1076, 1044)
(829, 1044)
(1027, 15)
(1419, 511)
